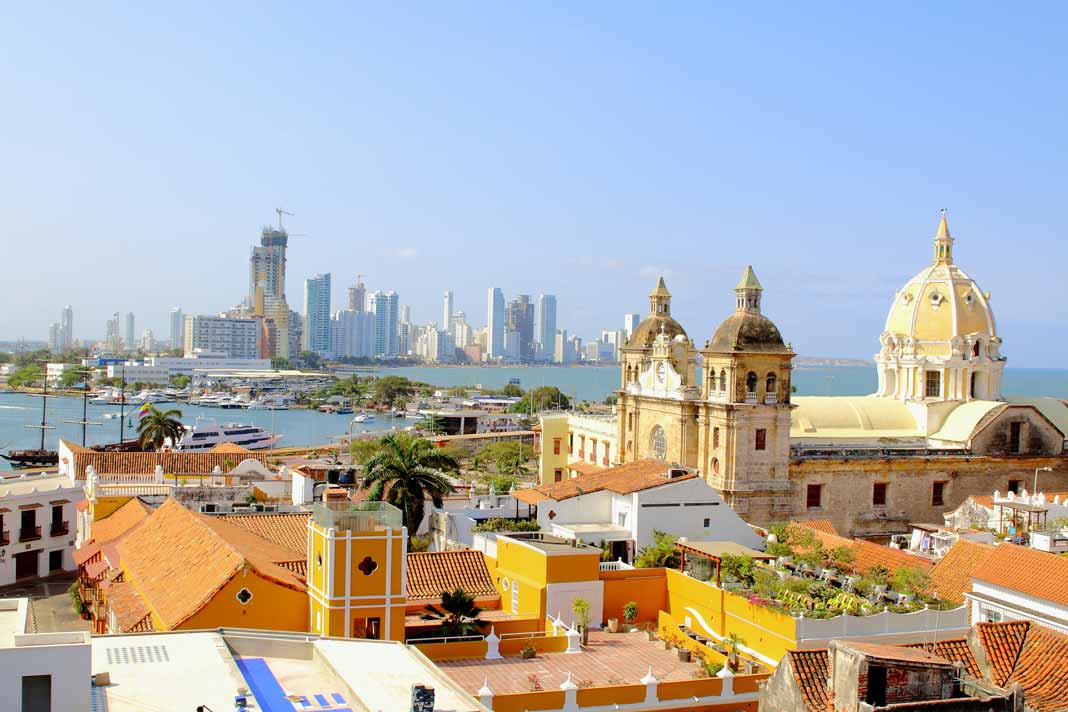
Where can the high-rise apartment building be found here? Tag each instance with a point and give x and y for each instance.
(519, 317)
(352, 334)
(131, 336)
(55, 337)
(384, 305)
(495, 323)
(560, 346)
(148, 341)
(113, 334)
(545, 327)
(317, 313)
(66, 324)
(446, 311)
(267, 286)
(405, 314)
(232, 338)
(630, 323)
(177, 328)
(358, 295)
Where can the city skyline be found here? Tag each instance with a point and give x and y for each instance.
(822, 165)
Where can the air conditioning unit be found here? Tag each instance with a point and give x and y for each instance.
(242, 510)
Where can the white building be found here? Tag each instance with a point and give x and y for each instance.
(352, 334)
(1017, 583)
(233, 337)
(66, 324)
(560, 345)
(130, 338)
(54, 372)
(630, 322)
(384, 306)
(317, 314)
(621, 507)
(177, 328)
(37, 525)
(158, 370)
(446, 310)
(41, 671)
(545, 328)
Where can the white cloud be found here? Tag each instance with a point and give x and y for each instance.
(407, 253)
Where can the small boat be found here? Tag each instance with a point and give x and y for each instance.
(109, 416)
(364, 418)
(31, 458)
(344, 410)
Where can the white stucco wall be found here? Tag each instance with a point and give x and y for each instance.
(560, 596)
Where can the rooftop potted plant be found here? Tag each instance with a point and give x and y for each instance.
(529, 651)
(630, 613)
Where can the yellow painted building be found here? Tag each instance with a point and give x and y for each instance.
(356, 570)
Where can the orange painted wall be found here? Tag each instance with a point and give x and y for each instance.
(610, 695)
(529, 701)
(645, 586)
(682, 689)
(460, 650)
(272, 607)
(512, 646)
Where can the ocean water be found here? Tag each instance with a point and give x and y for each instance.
(303, 427)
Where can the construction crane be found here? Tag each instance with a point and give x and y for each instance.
(280, 214)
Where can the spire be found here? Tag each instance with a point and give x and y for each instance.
(660, 299)
(943, 242)
(747, 292)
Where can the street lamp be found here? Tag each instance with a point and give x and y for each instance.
(1034, 489)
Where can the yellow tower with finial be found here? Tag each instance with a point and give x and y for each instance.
(356, 569)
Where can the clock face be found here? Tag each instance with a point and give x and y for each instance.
(661, 372)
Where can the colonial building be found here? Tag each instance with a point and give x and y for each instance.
(937, 430)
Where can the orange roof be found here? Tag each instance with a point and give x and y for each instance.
(123, 520)
(820, 525)
(623, 479)
(143, 463)
(1029, 571)
(584, 468)
(810, 673)
(430, 573)
(231, 448)
(951, 577)
(178, 560)
(1026, 653)
(867, 554)
(288, 530)
(955, 650)
(897, 653)
(131, 613)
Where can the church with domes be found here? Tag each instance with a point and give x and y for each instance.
(937, 430)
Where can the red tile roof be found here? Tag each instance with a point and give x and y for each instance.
(431, 573)
(1042, 671)
(1029, 571)
(288, 530)
(866, 554)
(820, 525)
(810, 674)
(143, 463)
(623, 479)
(131, 613)
(1002, 642)
(178, 560)
(955, 650)
(123, 520)
(898, 653)
(951, 577)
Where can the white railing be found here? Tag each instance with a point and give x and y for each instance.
(617, 565)
(751, 398)
(771, 399)
(883, 623)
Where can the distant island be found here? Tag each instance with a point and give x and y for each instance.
(820, 362)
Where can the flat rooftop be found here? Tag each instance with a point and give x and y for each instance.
(609, 659)
(158, 671)
(13, 613)
(549, 543)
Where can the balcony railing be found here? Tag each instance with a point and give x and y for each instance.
(29, 533)
(751, 398)
(771, 399)
(59, 529)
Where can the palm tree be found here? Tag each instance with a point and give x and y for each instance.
(405, 472)
(158, 425)
(458, 614)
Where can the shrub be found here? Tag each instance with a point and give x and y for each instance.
(740, 568)
(500, 524)
(630, 611)
(661, 554)
(910, 580)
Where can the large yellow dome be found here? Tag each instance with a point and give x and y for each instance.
(941, 309)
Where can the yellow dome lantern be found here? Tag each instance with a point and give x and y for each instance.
(940, 341)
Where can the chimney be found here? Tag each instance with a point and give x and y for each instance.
(422, 698)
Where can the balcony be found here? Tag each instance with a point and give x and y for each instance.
(59, 529)
(771, 399)
(751, 398)
(5, 538)
(29, 534)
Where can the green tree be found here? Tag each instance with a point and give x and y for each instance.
(280, 363)
(543, 398)
(71, 377)
(581, 608)
(389, 388)
(511, 390)
(661, 554)
(180, 381)
(156, 426)
(504, 456)
(311, 359)
(458, 614)
(405, 473)
(909, 579)
(740, 567)
(26, 376)
(419, 543)
(363, 450)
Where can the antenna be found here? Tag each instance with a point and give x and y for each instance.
(280, 214)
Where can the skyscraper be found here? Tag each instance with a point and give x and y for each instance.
(495, 323)
(177, 328)
(55, 337)
(66, 324)
(358, 295)
(519, 318)
(446, 311)
(267, 285)
(113, 337)
(405, 314)
(545, 329)
(131, 336)
(384, 306)
(630, 322)
(317, 313)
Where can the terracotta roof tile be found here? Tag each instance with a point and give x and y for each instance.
(177, 560)
(897, 653)
(288, 530)
(951, 577)
(867, 554)
(231, 448)
(1029, 571)
(1041, 670)
(820, 525)
(623, 479)
(432, 572)
(131, 613)
(120, 522)
(810, 673)
(143, 463)
(1002, 642)
(955, 650)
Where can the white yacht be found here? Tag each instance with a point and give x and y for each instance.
(206, 433)
(364, 418)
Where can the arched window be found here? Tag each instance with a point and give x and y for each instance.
(769, 385)
(659, 443)
(723, 379)
(750, 382)
(975, 349)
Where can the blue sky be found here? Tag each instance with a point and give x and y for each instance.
(574, 148)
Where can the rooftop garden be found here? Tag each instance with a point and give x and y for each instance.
(807, 579)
